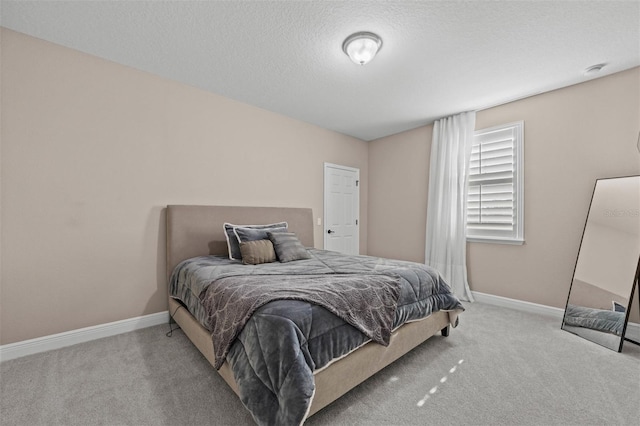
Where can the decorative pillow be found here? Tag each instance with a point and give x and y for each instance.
(253, 234)
(256, 252)
(232, 241)
(618, 307)
(288, 247)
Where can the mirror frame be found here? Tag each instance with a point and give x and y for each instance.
(634, 288)
(634, 284)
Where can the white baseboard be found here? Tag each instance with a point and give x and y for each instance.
(68, 338)
(633, 329)
(519, 305)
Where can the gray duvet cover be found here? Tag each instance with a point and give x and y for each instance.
(275, 345)
(596, 319)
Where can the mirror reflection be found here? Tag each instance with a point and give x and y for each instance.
(607, 266)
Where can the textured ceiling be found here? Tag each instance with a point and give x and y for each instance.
(438, 58)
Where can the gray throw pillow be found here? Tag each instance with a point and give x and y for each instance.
(253, 234)
(232, 241)
(288, 247)
(257, 252)
(618, 307)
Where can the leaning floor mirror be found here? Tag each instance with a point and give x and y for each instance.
(601, 302)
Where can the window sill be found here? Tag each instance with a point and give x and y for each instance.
(510, 241)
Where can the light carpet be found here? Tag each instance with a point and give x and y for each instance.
(499, 367)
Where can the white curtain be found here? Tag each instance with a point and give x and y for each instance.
(446, 244)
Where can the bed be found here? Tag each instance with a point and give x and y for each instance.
(195, 236)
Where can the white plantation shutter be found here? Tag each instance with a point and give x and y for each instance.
(495, 193)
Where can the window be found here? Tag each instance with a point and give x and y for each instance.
(495, 198)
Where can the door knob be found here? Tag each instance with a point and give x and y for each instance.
(329, 231)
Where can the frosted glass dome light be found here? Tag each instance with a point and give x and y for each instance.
(362, 47)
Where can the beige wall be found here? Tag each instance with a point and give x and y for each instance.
(398, 182)
(92, 151)
(572, 137)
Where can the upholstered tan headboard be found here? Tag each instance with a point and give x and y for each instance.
(198, 230)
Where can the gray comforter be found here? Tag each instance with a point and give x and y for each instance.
(365, 301)
(274, 345)
(596, 319)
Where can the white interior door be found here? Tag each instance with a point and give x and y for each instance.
(341, 208)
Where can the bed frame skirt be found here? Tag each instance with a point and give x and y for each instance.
(342, 375)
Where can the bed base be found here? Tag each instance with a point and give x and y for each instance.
(342, 375)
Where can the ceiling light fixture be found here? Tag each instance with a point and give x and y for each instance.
(362, 47)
